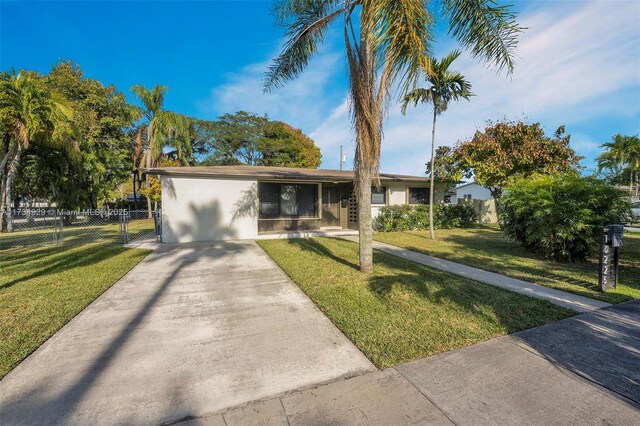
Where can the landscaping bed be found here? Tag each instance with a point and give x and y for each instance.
(403, 311)
(44, 287)
(487, 248)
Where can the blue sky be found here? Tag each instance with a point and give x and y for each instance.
(578, 64)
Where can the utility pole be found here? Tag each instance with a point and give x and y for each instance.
(340, 157)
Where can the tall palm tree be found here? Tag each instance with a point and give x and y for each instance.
(28, 114)
(158, 130)
(623, 153)
(445, 86)
(387, 43)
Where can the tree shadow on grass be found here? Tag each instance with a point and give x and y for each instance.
(512, 311)
(494, 253)
(60, 259)
(315, 245)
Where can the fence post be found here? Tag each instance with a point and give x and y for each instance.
(124, 232)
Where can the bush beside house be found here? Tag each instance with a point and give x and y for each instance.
(416, 218)
(561, 216)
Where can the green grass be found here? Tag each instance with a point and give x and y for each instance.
(43, 287)
(403, 311)
(487, 248)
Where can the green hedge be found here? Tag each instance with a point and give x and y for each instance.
(561, 216)
(416, 218)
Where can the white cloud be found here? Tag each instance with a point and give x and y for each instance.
(578, 64)
(303, 102)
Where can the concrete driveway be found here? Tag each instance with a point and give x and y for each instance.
(191, 330)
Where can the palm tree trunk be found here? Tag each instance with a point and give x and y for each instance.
(3, 193)
(3, 165)
(148, 164)
(13, 168)
(433, 170)
(631, 182)
(3, 184)
(365, 227)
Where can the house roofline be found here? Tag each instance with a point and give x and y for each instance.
(275, 173)
(467, 184)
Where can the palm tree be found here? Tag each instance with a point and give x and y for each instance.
(387, 43)
(28, 114)
(158, 130)
(623, 153)
(445, 86)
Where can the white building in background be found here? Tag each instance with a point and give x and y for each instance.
(470, 191)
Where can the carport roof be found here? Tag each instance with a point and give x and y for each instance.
(275, 173)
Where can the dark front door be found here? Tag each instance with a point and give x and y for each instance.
(330, 206)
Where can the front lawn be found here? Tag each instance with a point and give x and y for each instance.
(43, 287)
(403, 311)
(487, 248)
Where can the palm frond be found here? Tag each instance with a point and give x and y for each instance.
(489, 30)
(306, 24)
(171, 129)
(444, 86)
(400, 36)
(415, 97)
(153, 100)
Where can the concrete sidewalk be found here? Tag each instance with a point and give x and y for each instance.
(581, 370)
(557, 297)
(191, 330)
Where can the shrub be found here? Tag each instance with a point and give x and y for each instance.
(416, 218)
(561, 216)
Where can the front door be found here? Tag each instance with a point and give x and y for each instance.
(330, 206)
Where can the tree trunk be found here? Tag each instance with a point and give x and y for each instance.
(496, 193)
(146, 176)
(13, 168)
(433, 169)
(365, 228)
(3, 184)
(135, 195)
(3, 165)
(8, 154)
(630, 182)
(3, 193)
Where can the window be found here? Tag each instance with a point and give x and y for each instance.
(418, 195)
(379, 197)
(269, 194)
(287, 200)
(466, 196)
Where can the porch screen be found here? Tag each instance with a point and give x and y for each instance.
(280, 200)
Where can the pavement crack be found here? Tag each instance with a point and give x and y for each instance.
(284, 411)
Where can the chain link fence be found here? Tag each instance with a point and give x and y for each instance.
(28, 227)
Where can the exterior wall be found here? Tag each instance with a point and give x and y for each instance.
(397, 194)
(301, 224)
(485, 209)
(477, 193)
(205, 209)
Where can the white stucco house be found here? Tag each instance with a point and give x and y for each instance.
(470, 191)
(247, 202)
